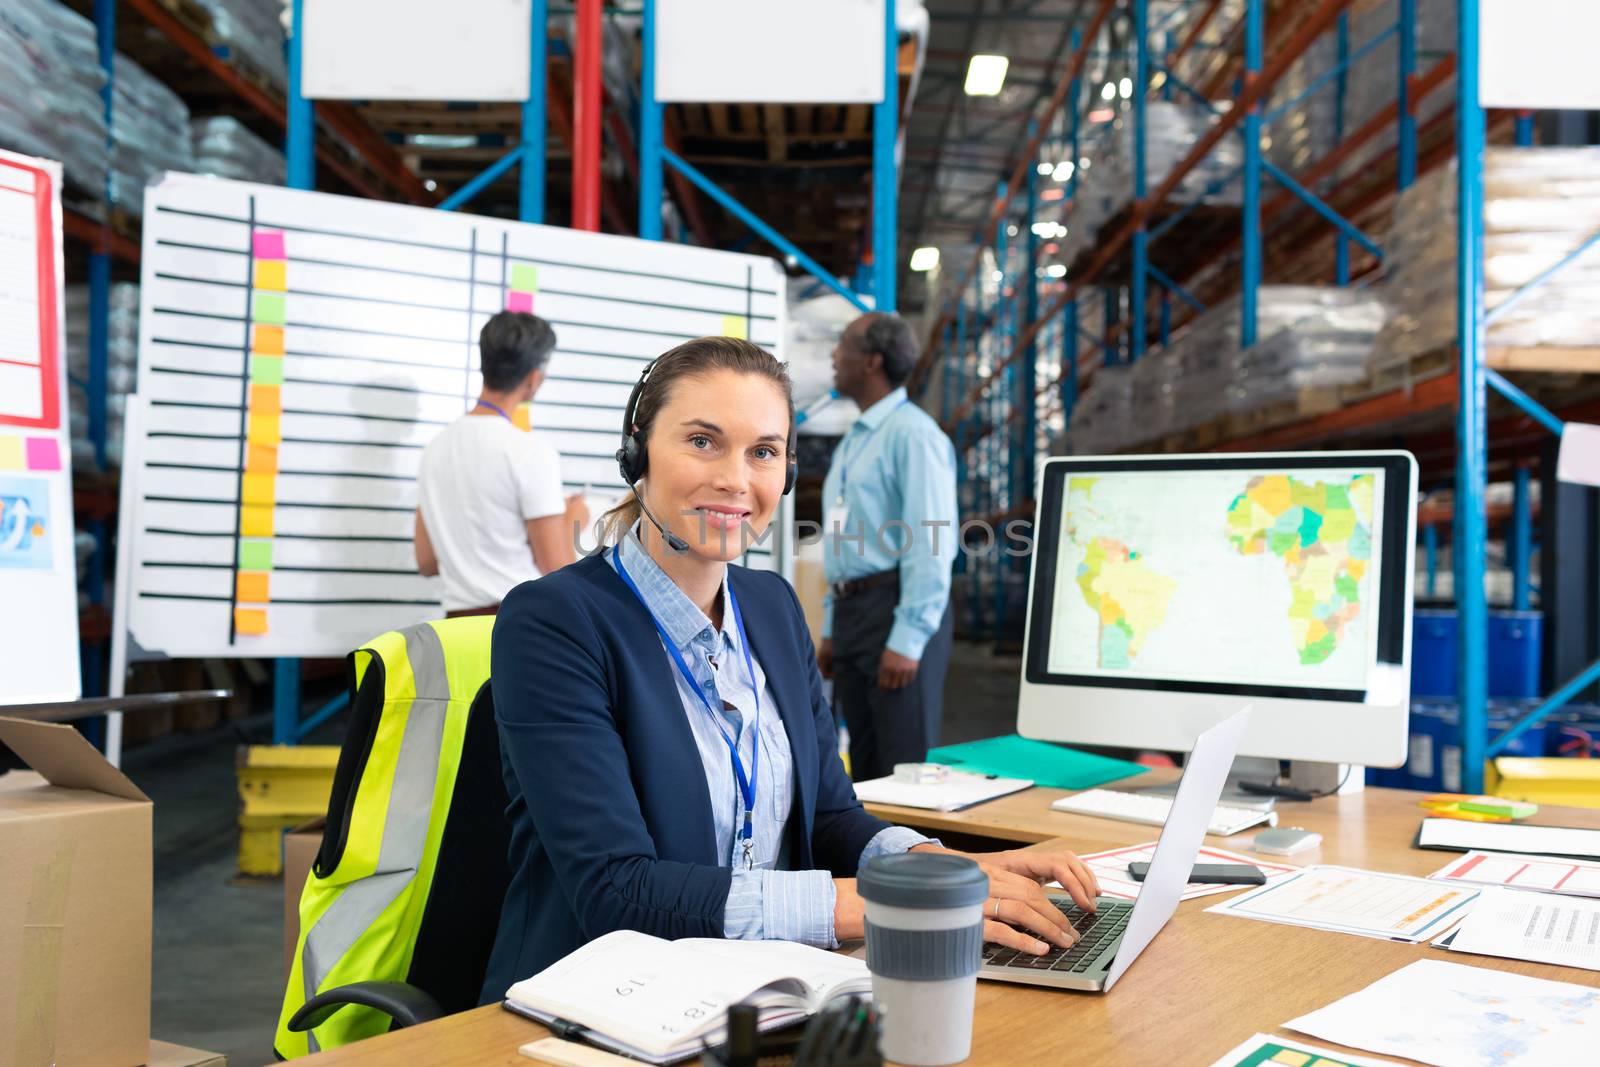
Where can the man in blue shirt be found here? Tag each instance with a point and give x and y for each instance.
(889, 543)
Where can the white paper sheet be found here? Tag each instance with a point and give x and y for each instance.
(958, 790)
(1532, 926)
(1509, 837)
(1578, 459)
(1389, 906)
(1455, 1016)
(1541, 874)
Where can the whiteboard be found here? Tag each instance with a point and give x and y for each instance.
(1539, 54)
(38, 567)
(770, 51)
(416, 49)
(296, 352)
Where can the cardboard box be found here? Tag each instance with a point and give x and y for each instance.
(300, 847)
(74, 906)
(165, 1055)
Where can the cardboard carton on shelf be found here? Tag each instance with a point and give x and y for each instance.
(75, 899)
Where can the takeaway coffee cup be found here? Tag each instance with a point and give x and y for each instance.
(924, 948)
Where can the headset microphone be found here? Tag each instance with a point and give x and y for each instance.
(674, 542)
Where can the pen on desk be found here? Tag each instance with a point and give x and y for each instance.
(565, 1030)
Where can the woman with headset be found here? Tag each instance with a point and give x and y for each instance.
(671, 763)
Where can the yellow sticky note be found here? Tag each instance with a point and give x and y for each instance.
(267, 399)
(522, 416)
(268, 340)
(251, 587)
(261, 459)
(272, 274)
(736, 326)
(1291, 1057)
(255, 521)
(11, 453)
(249, 622)
(264, 429)
(259, 489)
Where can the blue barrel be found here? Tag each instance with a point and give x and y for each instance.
(1433, 654)
(1515, 648)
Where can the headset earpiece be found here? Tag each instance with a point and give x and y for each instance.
(632, 457)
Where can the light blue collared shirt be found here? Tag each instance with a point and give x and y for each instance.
(769, 901)
(894, 466)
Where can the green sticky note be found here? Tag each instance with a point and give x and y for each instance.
(268, 308)
(1046, 764)
(525, 277)
(266, 370)
(255, 555)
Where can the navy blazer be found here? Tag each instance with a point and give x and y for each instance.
(611, 824)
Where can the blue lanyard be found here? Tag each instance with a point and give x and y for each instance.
(497, 409)
(747, 783)
(855, 453)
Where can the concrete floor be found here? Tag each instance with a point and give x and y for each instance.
(218, 979)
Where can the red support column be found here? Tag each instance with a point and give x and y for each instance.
(586, 108)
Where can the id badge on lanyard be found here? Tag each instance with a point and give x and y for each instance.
(746, 782)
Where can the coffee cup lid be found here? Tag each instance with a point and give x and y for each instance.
(922, 880)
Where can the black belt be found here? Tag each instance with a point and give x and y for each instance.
(842, 590)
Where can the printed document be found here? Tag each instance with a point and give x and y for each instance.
(1532, 926)
(1391, 906)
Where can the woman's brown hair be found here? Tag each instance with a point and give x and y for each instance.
(692, 359)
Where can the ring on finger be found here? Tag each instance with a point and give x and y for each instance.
(996, 913)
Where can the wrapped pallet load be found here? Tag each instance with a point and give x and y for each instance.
(1540, 205)
(225, 147)
(50, 83)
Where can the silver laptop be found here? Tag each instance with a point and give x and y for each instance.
(1112, 937)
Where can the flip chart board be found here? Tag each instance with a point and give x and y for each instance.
(38, 568)
(297, 350)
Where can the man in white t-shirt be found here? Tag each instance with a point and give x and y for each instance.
(490, 512)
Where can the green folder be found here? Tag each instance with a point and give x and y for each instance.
(1047, 764)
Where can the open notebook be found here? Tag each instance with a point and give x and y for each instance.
(661, 1001)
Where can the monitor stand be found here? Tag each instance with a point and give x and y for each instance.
(1311, 777)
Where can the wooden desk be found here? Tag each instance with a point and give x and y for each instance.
(1206, 983)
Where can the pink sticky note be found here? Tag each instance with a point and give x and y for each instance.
(516, 301)
(269, 244)
(43, 454)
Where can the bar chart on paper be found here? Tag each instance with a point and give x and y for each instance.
(297, 352)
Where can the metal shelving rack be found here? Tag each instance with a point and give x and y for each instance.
(988, 364)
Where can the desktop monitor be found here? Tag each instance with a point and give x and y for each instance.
(1168, 591)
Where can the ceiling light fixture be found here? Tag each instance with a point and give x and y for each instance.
(1108, 91)
(1125, 88)
(986, 75)
(925, 258)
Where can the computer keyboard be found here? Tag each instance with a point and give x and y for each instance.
(1096, 930)
(1152, 810)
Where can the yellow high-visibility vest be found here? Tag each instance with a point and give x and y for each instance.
(364, 900)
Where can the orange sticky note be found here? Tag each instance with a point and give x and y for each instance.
(268, 340)
(267, 399)
(259, 489)
(736, 326)
(272, 274)
(255, 521)
(264, 429)
(261, 459)
(252, 587)
(249, 622)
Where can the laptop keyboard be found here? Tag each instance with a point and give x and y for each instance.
(1096, 930)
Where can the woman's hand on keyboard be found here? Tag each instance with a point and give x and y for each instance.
(1018, 905)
